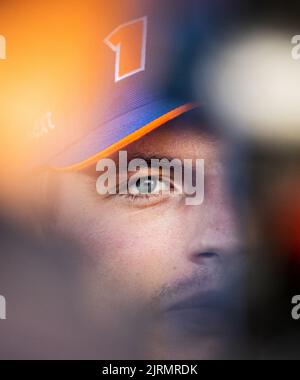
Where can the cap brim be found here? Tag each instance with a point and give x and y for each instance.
(118, 133)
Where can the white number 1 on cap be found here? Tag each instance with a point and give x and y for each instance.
(2, 47)
(128, 41)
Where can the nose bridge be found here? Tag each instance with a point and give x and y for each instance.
(214, 227)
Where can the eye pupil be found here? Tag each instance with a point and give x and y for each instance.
(146, 185)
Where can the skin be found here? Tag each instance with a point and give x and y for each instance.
(145, 255)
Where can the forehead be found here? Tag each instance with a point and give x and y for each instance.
(179, 139)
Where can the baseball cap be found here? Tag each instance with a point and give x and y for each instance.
(102, 75)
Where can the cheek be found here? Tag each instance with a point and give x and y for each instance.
(127, 246)
(139, 248)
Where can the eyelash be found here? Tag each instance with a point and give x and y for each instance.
(143, 198)
(135, 198)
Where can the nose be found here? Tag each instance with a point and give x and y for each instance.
(214, 230)
(218, 236)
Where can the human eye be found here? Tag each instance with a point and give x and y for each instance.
(148, 190)
(148, 185)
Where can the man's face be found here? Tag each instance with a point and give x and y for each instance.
(158, 264)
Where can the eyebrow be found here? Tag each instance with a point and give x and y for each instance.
(91, 171)
(148, 157)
